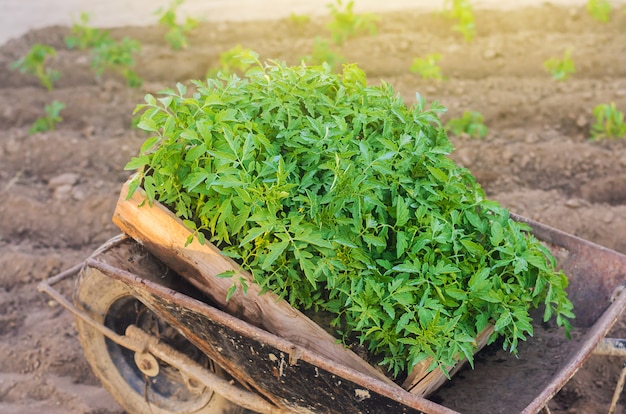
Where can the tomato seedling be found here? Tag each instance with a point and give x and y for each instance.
(427, 66)
(119, 57)
(346, 24)
(461, 11)
(50, 120)
(83, 36)
(34, 63)
(600, 10)
(324, 53)
(299, 20)
(471, 123)
(560, 69)
(233, 61)
(609, 122)
(176, 34)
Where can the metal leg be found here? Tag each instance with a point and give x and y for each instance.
(618, 389)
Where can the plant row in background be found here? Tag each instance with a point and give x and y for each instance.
(108, 54)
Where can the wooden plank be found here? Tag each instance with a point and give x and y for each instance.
(164, 235)
(422, 383)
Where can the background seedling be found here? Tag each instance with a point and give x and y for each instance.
(471, 123)
(234, 61)
(461, 11)
(175, 35)
(324, 53)
(117, 56)
(346, 23)
(34, 63)
(560, 69)
(427, 66)
(83, 36)
(609, 122)
(299, 20)
(49, 121)
(600, 10)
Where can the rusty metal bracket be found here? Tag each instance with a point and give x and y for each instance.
(614, 347)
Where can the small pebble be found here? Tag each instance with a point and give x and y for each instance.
(65, 179)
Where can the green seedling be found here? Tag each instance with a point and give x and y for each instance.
(119, 57)
(340, 198)
(471, 123)
(34, 63)
(323, 53)
(609, 122)
(346, 24)
(299, 20)
(50, 120)
(234, 61)
(600, 10)
(427, 66)
(176, 34)
(461, 11)
(560, 69)
(83, 36)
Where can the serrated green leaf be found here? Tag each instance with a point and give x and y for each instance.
(438, 174)
(402, 212)
(255, 232)
(374, 240)
(407, 268)
(149, 144)
(504, 320)
(137, 162)
(275, 250)
(195, 153)
(474, 248)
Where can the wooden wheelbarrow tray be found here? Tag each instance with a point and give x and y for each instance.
(276, 375)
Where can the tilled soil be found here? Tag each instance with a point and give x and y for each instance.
(58, 189)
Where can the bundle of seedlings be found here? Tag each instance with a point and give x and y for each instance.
(340, 198)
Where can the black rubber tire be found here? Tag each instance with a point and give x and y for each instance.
(109, 301)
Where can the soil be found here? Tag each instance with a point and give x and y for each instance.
(58, 189)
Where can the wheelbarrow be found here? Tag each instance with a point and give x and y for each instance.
(160, 345)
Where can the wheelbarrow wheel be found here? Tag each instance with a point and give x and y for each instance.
(164, 391)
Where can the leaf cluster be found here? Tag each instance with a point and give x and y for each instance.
(83, 36)
(323, 53)
(560, 69)
(49, 121)
(427, 66)
(600, 10)
(34, 63)
(609, 122)
(346, 24)
(339, 197)
(299, 20)
(176, 34)
(236, 60)
(471, 123)
(461, 11)
(119, 57)
(106, 52)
